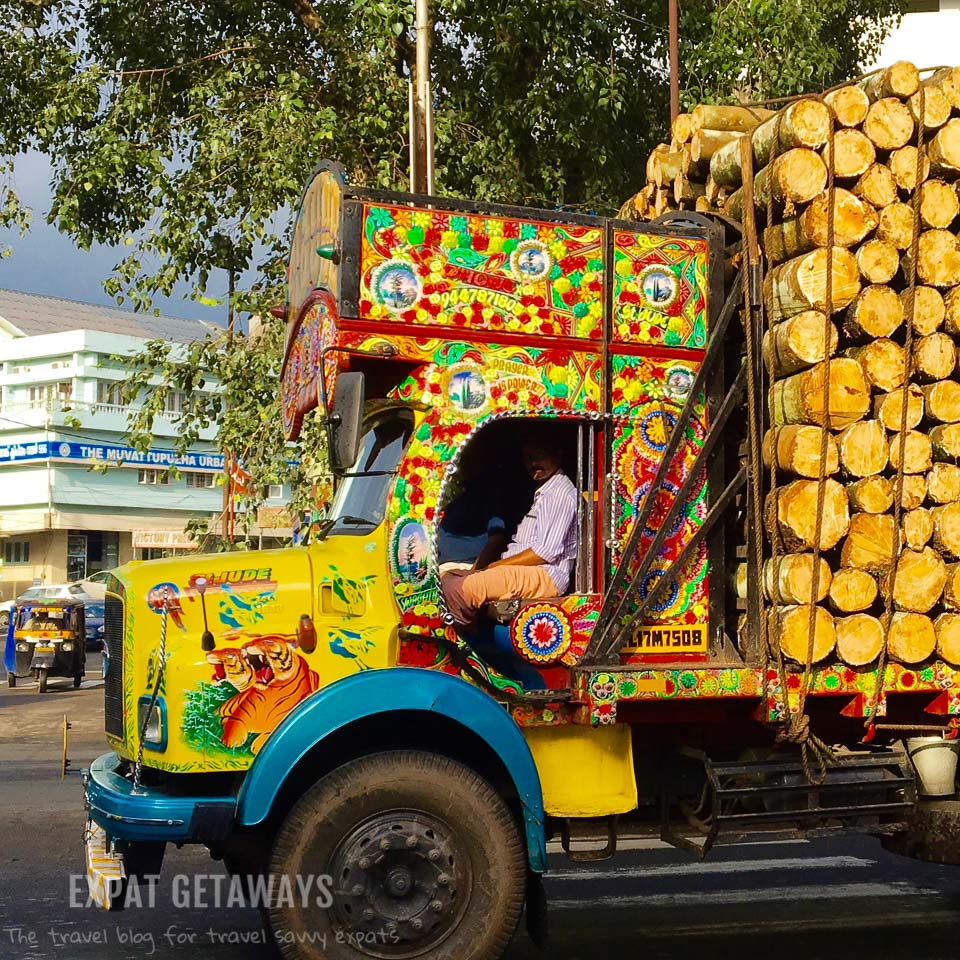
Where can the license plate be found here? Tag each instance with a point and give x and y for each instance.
(105, 870)
(39, 649)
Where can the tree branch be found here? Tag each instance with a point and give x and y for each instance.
(307, 15)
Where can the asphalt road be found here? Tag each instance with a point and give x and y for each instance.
(823, 899)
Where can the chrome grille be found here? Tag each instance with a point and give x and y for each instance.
(113, 683)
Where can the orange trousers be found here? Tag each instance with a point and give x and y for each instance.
(508, 582)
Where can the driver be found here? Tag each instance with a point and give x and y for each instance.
(538, 561)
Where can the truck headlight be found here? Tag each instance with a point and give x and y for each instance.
(155, 718)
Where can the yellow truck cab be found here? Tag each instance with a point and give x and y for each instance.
(315, 711)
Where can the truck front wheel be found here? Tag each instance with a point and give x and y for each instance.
(420, 858)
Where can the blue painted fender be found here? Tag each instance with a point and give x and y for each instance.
(375, 692)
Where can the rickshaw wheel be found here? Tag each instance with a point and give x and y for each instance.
(11, 680)
(77, 678)
(42, 680)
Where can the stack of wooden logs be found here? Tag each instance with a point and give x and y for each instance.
(883, 332)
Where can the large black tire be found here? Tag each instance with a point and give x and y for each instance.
(425, 857)
(42, 679)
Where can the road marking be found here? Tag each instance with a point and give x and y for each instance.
(793, 893)
(715, 867)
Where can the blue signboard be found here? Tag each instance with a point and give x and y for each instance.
(99, 453)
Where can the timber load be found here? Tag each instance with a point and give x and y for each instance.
(855, 198)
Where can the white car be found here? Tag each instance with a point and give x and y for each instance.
(53, 591)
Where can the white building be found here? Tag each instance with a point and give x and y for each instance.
(61, 419)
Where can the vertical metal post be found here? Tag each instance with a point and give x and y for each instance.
(674, 61)
(421, 114)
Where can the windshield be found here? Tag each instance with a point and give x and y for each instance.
(360, 503)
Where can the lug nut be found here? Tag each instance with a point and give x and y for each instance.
(433, 856)
(443, 879)
(364, 863)
(357, 890)
(436, 905)
(411, 842)
(385, 844)
(416, 923)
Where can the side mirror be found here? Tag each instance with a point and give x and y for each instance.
(346, 420)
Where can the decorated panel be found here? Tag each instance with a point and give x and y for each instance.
(472, 272)
(300, 379)
(660, 290)
(653, 393)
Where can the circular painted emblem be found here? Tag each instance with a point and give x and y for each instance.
(667, 599)
(541, 634)
(531, 261)
(678, 383)
(603, 686)
(395, 285)
(410, 554)
(466, 389)
(64, 449)
(659, 287)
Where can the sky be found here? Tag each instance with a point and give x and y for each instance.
(47, 262)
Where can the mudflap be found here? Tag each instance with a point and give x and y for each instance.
(932, 834)
(536, 910)
(106, 873)
(43, 659)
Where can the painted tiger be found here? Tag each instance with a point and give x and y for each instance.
(231, 666)
(282, 678)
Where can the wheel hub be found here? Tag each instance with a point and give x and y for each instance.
(401, 882)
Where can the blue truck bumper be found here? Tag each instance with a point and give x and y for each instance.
(152, 813)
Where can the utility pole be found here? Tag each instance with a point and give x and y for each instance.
(421, 106)
(674, 61)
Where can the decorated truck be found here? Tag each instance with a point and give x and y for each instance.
(314, 711)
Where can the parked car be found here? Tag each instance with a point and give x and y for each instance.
(94, 623)
(53, 591)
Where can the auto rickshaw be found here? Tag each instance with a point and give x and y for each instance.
(49, 638)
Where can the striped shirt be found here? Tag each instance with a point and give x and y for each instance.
(550, 529)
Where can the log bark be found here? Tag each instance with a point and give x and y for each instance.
(790, 579)
(938, 258)
(946, 441)
(877, 312)
(947, 629)
(943, 483)
(911, 638)
(851, 152)
(878, 261)
(666, 166)
(804, 123)
(942, 401)
(877, 186)
(900, 79)
(801, 284)
(797, 449)
(850, 105)
(859, 639)
(916, 527)
(944, 148)
(653, 160)
(871, 494)
(938, 204)
(799, 398)
(917, 452)
(852, 221)
(686, 189)
(948, 79)
(935, 107)
(852, 590)
(863, 449)
(951, 591)
(799, 342)
(705, 143)
(870, 543)
(796, 515)
(888, 124)
(903, 166)
(934, 357)
(888, 409)
(946, 528)
(883, 363)
(920, 579)
(928, 310)
(896, 225)
(794, 177)
(951, 311)
(712, 116)
(793, 633)
(913, 490)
